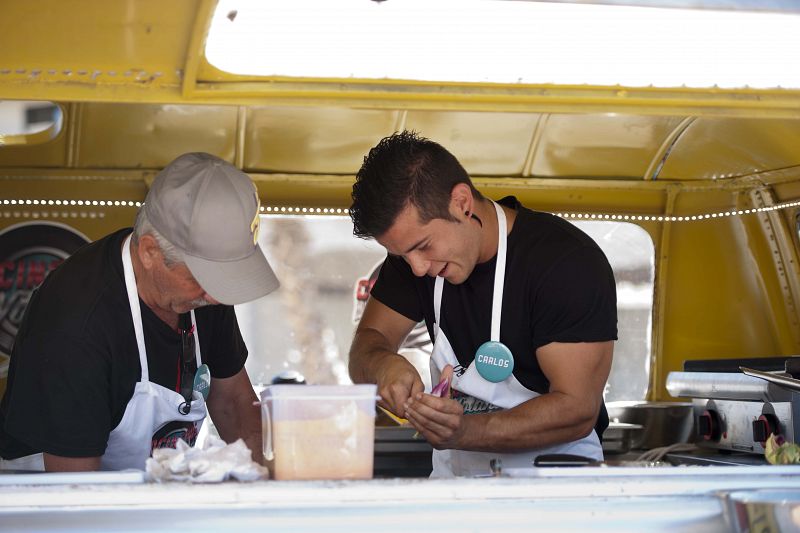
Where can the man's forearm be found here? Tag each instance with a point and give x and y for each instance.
(57, 463)
(242, 421)
(231, 405)
(550, 419)
(251, 433)
(370, 350)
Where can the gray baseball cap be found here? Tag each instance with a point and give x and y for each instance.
(209, 210)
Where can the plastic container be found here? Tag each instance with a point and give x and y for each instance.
(319, 431)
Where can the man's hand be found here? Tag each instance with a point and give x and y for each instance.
(397, 381)
(440, 420)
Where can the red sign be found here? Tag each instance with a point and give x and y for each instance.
(28, 252)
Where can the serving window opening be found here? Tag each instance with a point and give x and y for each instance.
(307, 325)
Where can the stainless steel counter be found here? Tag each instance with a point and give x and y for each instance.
(564, 499)
(713, 458)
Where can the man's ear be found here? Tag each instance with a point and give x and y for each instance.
(149, 251)
(461, 200)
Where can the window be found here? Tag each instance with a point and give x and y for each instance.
(630, 252)
(308, 324)
(506, 42)
(23, 122)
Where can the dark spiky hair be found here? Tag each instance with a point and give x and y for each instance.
(402, 168)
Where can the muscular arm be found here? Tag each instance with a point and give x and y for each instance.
(230, 403)
(577, 373)
(374, 357)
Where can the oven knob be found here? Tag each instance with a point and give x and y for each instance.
(708, 426)
(765, 426)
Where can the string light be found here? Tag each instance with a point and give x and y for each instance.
(81, 203)
(284, 209)
(344, 211)
(684, 218)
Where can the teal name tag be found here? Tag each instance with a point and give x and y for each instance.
(202, 381)
(494, 361)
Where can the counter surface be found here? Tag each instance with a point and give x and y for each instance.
(687, 498)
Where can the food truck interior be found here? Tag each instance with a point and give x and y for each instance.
(692, 191)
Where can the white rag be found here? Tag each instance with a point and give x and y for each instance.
(215, 462)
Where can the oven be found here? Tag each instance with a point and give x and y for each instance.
(737, 412)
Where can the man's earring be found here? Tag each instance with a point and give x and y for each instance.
(473, 215)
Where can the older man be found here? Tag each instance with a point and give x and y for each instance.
(132, 341)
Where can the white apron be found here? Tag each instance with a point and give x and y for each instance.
(477, 394)
(152, 417)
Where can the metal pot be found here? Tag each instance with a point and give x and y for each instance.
(619, 437)
(663, 423)
(769, 509)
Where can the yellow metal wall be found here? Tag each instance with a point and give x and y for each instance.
(725, 287)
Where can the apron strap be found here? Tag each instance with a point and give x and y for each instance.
(437, 304)
(499, 273)
(196, 341)
(133, 302)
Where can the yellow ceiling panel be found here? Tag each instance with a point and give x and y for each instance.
(313, 140)
(717, 148)
(150, 136)
(92, 42)
(600, 145)
(485, 143)
(153, 51)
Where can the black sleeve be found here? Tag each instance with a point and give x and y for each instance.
(61, 396)
(577, 300)
(221, 343)
(395, 288)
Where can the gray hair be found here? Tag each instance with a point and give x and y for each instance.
(143, 227)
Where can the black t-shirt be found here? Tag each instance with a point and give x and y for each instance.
(558, 287)
(75, 361)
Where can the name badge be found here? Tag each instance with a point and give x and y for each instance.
(202, 381)
(494, 361)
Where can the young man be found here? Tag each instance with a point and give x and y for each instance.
(521, 304)
(125, 347)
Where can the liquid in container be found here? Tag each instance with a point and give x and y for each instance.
(319, 431)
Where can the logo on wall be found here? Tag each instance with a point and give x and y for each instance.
(362, 289)
(28, 252)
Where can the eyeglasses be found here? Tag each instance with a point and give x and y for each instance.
(187, 362)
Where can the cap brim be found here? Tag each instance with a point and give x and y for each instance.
(234, 282)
